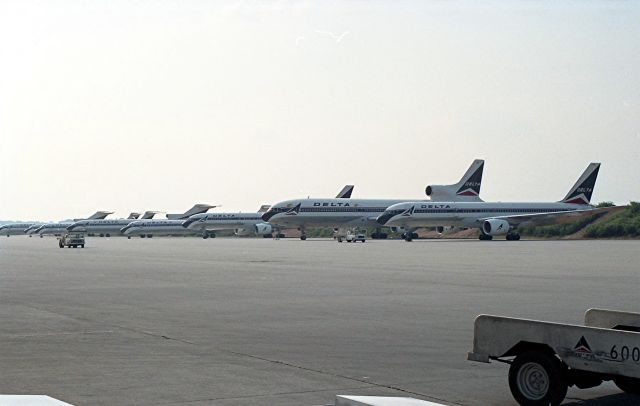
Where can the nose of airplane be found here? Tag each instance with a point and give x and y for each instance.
(384, 217)
(188, 222)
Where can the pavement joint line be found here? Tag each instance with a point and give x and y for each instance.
(265, 395)
(374, 384)
(59, 333)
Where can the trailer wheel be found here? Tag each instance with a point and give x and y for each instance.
(629, 385)
(536, 379)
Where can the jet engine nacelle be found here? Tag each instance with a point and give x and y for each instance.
(263, 228)
(442, 192)
(496, 227)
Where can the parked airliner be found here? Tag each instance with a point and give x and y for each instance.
(242, 223)
(150, 228)
(112, 227)
(17, 228)
(495, 218)
(61, 227)
(343, 214)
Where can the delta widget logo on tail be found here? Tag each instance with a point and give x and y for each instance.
(471, 187)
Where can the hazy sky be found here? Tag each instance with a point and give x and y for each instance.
(139, 105)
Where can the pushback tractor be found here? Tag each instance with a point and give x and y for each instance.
(547, 358)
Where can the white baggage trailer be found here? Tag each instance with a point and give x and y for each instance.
(547, 358)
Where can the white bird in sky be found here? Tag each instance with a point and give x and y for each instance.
(332, 35)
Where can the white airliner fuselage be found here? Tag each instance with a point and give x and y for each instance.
(336, 213)
(156, 228)
(242, 223)
(53, 228)
(16, 228)
(462, 214)
(107, 227)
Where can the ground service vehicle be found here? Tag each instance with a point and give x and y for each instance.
(71, 240)
(355, 237)
(546, 358)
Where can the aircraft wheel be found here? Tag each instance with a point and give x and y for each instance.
(414, 235)
(108, 235)
(303, 237)
(149, 235)
(537, 378)
(81, 245)
(128, 237)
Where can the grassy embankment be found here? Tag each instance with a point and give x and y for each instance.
(621, 222)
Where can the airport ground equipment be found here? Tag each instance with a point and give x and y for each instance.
(71, 240)
(355, 237)
(546, 358)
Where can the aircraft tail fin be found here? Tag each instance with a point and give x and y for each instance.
(264, 208)
(148, 214)
(196, 209)
(133, 216)
(99, 215)
(345, 193)
(581, 191)
(471, 181)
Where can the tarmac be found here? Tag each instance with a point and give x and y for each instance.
(186, 321)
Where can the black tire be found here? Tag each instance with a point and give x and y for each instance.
(414, 235)
(408, 238)
(81, 245)
(107, 235)
(537, 378)
(128, 237)
(629, 385)
(303, 237)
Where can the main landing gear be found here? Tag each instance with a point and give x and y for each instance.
(485, 237)
(408, 237)
(379, 235)
(513, 237)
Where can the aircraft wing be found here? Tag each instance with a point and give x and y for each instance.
(542, 219)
